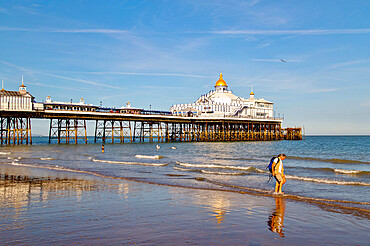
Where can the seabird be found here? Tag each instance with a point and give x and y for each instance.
(283, 60)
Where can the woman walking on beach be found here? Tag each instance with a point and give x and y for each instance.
(278, 173)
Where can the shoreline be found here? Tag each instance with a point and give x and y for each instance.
(336, 205)
(100, 211)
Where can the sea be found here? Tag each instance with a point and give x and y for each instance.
(332, 172)
(333, 168)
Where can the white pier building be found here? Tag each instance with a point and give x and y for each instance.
(73, 106)
(221, 102)
(16, 100)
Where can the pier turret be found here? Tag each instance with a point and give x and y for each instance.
(221, 85)
(22, 88)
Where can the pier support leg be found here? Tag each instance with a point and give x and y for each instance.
(67, 130)
(15, 130)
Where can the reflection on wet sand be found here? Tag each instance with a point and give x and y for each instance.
(276, 219)
(18, 192)
(17, 189)
(218, 206)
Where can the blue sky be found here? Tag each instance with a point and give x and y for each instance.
(161, 53)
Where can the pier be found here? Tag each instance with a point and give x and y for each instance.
(70, 127)
(216, 116)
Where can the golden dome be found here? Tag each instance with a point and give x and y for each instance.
(220, 81)
(251, 93)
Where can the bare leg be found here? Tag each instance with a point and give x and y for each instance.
(281, 185)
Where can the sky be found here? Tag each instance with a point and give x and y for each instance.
(159, 53)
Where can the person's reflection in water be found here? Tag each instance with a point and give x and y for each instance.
(276, 219)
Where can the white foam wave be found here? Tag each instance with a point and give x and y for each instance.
(182, 169)
(327, 181)
(215, 166)
(261, 170)
(222, 173)
(344, 171)
(46, 158)
(149, 156)
(130, 163)
(10, 158)
(4, 153)
(56, 167)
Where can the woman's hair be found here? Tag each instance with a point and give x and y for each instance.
(282, 155)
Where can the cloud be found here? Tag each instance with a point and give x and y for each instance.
(111, 97)
(345, 64)
(263, 45)
(27, 10)
(60, 77)
(99, 31)
(254, 2)
(60, 87)
(151, 74)
(366, 104)
(273, 60)
(163, 87)
(293, 32)
(84, 81)
(321, 90)
(17, 67)
(103, 31)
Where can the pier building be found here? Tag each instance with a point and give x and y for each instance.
(221, 102)
(128, 109)
(73, 106)
(20, 100)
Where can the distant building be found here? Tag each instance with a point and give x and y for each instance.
(221, 102)
(128, 109)
(16, 100)
(69, 106)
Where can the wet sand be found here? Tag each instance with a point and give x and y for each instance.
(87, 210)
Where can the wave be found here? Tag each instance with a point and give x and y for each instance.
(149, 156)
(334, 170)
(223, 173)
(209, 172)
(335, 161)
(352, 172)
(327, 181)
(46, 158)
(49, 167)
(234, 158)
(4, 153)
(249, 168)
(187, 169)
(130, 163)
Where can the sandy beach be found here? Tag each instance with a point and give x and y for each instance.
(97, 211)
